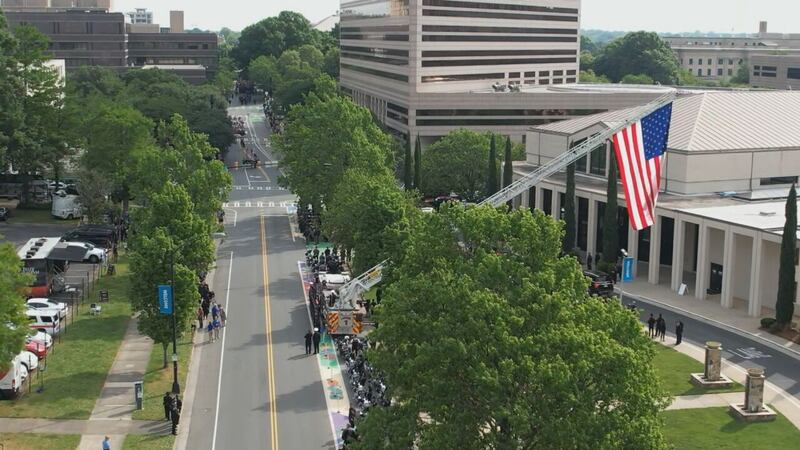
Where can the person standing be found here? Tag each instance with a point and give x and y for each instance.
(176, 419)
(588, 261)
(216, 329)
(214, 311)
(223, 316)
(317, 337)
(167, 405)
(308, 338)
(210, 329)
(651, 325)
(661, 327)
(107, 443)
(200, 316)
(678, 332)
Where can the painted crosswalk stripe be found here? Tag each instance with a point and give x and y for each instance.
(246, 204)
(260, 204)
(271, 204)
(235, 204)
(261, 188)
(269, 188)
(225, 205)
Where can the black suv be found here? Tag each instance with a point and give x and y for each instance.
(100, 235)
(600, 284)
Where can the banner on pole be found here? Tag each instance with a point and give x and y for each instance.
(165, 299)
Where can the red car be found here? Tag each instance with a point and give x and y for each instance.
(38, 349)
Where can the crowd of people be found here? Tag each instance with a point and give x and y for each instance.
(657, 329)
(310, 225)
(246, 91)
(172, 410)
(209, 306)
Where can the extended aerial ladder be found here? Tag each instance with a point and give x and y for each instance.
(346, 305)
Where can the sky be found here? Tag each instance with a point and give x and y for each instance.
(723, 16)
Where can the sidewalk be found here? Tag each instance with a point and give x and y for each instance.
(735, 320)
(116, 404)
(96, 428)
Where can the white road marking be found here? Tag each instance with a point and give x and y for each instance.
(222, 356)
(271, 204)
(235, 214)
(235, 204)
(247, 176)
(246, 204)
(260, 204)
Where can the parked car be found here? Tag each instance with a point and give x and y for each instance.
(333, 281)
(84, 252)
(12, 379)
(4, 214)
(40, 350)
(40, 338)
(29, 360)
(45, 320)
(600, 284)
(45, 303)
(101, 236)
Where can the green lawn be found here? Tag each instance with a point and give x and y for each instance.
(148, 442)
(715, 429)
(673, 369)
(158, 380)
(39, 216)
(78, 366)
(37, 441)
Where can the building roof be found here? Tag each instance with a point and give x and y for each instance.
(716, 121)
(327, 23)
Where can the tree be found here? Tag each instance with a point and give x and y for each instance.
(11, 110)
(456, 164)
(263, 72)
(417, 164)
(610, 232)
(370, 215)
(87, 81)
(570, 223)
(508, 165)
(323, 138)
(408, 172)
(787, 290)
(274, 35)
(638, 53)
(588, 76)
(588, 45)
(636, 79)
(742, 74)
(95, 188)
(491, 172)
(12, 301)
(538, 363)
(331, 65)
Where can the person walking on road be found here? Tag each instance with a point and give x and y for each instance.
(214, 311)
(200, 316)
(107, 443)
(317, 337)
(308, 338)
(661, 327)
(678, 332)
(216, 329)
(167, 405)
(223, 316)
(210, 329)
(176, 419)
(651, 325)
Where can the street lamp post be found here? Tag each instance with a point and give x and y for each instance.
(176, 387)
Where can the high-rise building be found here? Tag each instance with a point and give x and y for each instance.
(140, 16)
(34, 5)
(426, 67)
(176, 22)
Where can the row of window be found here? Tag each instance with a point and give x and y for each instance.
(60, 46)
(494, 62)
(491, 38)
(133, 45)
(507, 30)
(720, 61)
(74, 27)
(380, 8)
(377, 73)
(494, 15)
(377, 59)
(461, 53)
(376, 37)
(720, 72)
(497, 6)
(506, 112)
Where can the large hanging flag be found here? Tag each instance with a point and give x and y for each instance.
(640, 148)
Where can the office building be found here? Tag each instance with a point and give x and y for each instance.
(732, 158)
(718, 58)
(38, 5)
(176, 22)
(170, 51)
(140, 16)
(426, 67)
(775, 71)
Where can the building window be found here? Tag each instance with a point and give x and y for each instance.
(793, 73)
(730, 72)
(778, 180)
(709, 61)
(700, 61)
(580, 165)
(544, 73)
(708, 72)
(699, 72)
(598, 161)
(571, 72)
(544, 81)
(719, 72)
(558, 81)
(720, 61)
(730, 62)
(691, 61)
(513, 75)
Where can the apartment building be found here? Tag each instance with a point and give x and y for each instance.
(775, 71)
(717, 58)
(140, 16)
(426, 67)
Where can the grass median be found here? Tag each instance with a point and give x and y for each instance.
(39, 216)
(715, 429)
(673, 369)
(148, 442)
(158, 379)
(39, 441)
(78, 366)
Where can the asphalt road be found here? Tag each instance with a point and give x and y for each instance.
(256, 388)
(780, 368)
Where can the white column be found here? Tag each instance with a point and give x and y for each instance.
(633, 248)
(591, 228)
(538, 197)
(556, 213)
(702, 263)
(524, 202)
(677, 254)
(654, 266)
(729, 253)
(754, 301)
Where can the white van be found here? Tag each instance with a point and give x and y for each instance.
(45, 320)
(12, 379)
(66, 206)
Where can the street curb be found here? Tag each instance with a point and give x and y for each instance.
(786, 351)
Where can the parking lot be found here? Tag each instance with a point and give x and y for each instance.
(20, 233)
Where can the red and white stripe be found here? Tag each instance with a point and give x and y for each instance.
(641, 179)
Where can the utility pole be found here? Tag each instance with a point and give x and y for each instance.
(176, 387)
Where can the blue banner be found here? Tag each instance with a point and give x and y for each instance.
(627, 269)
(165, 299)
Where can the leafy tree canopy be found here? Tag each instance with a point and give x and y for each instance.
(636, 79)
(538, 363)
(12, 304)
(274, 35)
(638, 53)
(457, 163)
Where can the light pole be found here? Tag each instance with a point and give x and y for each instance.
(176, 387)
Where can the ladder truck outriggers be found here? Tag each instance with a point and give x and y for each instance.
(346, 310)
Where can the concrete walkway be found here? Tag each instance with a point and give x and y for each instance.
(85, 427)
(706, 400)
(114, 408)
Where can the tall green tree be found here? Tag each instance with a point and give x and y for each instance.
(539, 364)
(11, 110)
(324, 137)
(12, 303)
(491, 171)
(456, 163)
(417, 164)
(610, 231)
(408, 160)
(508, 165)
(787, 288)
(638, 53)
(570, 222)
(274, 35)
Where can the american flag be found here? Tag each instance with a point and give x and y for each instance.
(640, 148)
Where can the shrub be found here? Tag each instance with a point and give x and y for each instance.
(767, 322)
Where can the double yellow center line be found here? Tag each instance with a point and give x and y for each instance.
(273, 407)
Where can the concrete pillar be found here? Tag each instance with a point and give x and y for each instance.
(591, 228)
(728, 255)
(754, 390)
(713, 361)
(678, 241)
(754, 300)
(556, 213)
(524, 202)
(633, 248)
(539, 197)
(702, 263)
(654, 266)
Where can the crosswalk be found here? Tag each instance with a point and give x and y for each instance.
(259, 188)
(290, 206)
